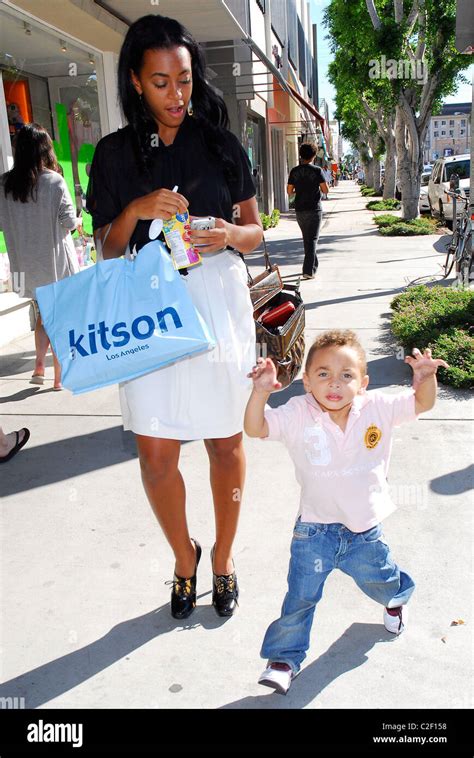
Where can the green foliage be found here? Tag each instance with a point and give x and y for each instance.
(432, 295)
(270, 220)
(386, 219)
(370, 192)
(456, 347)
(406, 229)
(439, 318)
(394, 226)
(391, 204)
(354, 43)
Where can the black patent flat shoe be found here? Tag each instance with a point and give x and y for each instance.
(183, 594)
(225, 591)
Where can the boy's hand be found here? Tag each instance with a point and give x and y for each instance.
(264, 376)
(424, 366)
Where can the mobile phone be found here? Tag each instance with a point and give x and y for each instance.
(200, 224)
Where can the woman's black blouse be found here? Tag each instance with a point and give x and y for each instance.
(115, 178)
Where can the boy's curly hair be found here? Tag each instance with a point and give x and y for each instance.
(339, 338)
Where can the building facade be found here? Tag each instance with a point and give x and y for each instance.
(449, 133)
(336, 141)
(58, 67)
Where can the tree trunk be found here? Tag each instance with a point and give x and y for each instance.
(376, 172)
(369, 172)
(390, 168)
(375, 163)
(410, 166)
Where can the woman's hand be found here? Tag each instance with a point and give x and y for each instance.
(264, 376)
(162, 203)
(211, 240)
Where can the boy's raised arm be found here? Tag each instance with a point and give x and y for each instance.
(264, 383)
(424, 378)
(255, 424)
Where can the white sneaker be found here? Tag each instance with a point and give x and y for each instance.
(396, 623)
(279, 676)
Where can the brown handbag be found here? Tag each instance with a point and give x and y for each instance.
(284, 344)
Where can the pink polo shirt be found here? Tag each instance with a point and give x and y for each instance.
(343, 475)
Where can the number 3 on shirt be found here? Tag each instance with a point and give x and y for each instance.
(317, 449)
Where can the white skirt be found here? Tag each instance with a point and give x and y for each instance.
(203, 396)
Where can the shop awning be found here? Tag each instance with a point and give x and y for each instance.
(207, 20)
(288, 88)
(296, 96)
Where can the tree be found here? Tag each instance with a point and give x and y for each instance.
(355, 46)
(400, 62)
(362, 133)
(429, 65)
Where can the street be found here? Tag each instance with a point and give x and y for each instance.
(86, 620)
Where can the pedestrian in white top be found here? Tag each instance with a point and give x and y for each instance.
(339, 436)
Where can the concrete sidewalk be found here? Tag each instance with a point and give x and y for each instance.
(85, 616)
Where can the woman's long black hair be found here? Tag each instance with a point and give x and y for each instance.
(154, 32)
(33, 153)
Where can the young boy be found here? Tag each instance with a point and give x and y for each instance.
(339, 437)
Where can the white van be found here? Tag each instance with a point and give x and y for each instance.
(441, 204)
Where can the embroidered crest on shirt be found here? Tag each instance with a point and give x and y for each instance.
(373, 436)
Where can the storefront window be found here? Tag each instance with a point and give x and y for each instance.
(254, 151)
(47, 79)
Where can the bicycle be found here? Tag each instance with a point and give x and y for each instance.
(459, 250)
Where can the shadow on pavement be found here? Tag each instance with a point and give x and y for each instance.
(61, 675)
(347, 653)
(21, 395)
(56, 461)
(442, 242)
(279, 398)
(365, 296)
(410, 258)
(454, 483)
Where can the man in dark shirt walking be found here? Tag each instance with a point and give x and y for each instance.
(307, 182)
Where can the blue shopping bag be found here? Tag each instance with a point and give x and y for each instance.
(120, 319)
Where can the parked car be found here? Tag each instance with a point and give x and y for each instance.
(441, 204)
(423, 204)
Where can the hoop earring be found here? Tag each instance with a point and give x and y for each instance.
(190, 108)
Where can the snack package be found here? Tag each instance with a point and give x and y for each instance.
(183, 254)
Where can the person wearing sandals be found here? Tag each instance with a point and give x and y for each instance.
(37, 217)
(11, 444)
(172, 140)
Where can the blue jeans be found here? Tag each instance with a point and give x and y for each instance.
(317, 549)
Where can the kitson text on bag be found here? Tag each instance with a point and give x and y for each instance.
(141, 328)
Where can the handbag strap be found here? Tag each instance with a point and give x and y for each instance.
(268, 263)
(268, 266)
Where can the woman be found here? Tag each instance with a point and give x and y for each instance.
(37, 217)
(172, 140)
(307, 182)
